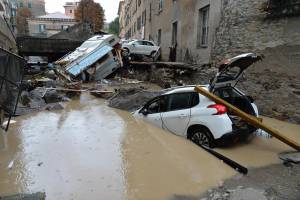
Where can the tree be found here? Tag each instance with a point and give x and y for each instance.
(22, 25)
(90, 12)
(114, 27)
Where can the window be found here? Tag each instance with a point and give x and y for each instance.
(181, 101)
(139, 23)
(174, 33)
(42, 28)
(150, 12)
(159, 37)
(64, 27)
(144, 16)
(203, 27)
(160, 5)
(71, 11)
(154, 106)
(21, 5)
(29, 5)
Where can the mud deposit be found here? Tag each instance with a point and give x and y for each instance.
(91, 151)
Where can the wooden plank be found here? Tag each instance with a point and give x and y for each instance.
(74, 90)
(171, 65)
(249, 118)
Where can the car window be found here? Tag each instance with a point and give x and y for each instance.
(194, 99)
(138, 43)
(227, 92)
(153, 107)
(178, 101)
(148, 43)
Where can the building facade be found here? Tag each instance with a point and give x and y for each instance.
(187, 26)
(37, 7)
(70, 8)
(121, 13)
(48, 25)
(7, 13)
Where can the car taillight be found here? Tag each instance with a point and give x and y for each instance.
(220, 109)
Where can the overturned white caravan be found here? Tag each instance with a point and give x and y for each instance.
(95, 59)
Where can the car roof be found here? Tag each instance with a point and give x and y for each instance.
(182, 89)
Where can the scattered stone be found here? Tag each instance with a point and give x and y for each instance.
(247, 194)
(54, 106)
(52, 96)
(132, 99)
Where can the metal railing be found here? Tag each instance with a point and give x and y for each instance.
(11, 76)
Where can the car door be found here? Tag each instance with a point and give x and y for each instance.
(151, 112)
(177, 112)
(148, 47)
(137, 47)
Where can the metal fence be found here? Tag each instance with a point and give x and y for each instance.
(11, 76)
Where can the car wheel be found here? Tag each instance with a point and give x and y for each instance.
(125, 52)
(153, 54)
(201, 137)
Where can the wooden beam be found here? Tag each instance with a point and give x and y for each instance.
(249, 118)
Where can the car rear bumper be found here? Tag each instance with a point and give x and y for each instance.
(235, 136)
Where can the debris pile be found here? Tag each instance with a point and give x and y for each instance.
(272, 182)
(131, 99)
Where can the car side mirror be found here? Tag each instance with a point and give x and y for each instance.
(145, 112)
(250, 99)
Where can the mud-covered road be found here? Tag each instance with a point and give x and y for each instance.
(91, 151)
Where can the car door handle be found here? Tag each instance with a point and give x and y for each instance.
(182, 116)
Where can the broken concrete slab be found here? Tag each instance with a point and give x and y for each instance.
(292, 156)
(52, 96)
(131, 99)
(54, 106)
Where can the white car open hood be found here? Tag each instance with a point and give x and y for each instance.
(231, 70)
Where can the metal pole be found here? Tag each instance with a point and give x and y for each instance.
(249, 118)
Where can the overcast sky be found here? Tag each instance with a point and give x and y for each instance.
(110, 7)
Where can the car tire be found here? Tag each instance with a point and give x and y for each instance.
(152, 55)
(201, 137)
(126, 52)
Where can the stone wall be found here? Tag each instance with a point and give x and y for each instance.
(274, 82)
(7, 40)
(244, 27)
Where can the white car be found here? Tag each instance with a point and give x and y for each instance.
(141, 47)
(187, 113)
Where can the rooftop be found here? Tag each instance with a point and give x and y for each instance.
(56, 15)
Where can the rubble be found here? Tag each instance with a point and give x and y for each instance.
(268, 183)
(131, 99)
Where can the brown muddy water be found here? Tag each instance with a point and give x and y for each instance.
(91, 151)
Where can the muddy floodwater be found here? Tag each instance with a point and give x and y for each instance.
(91, 151)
